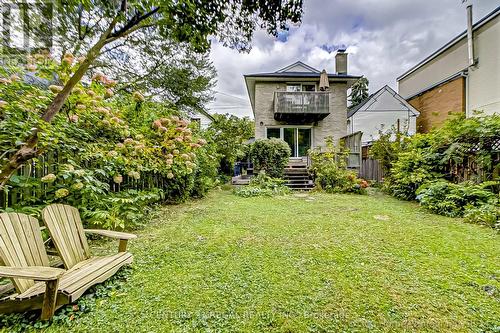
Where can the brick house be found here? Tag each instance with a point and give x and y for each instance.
(300, 104)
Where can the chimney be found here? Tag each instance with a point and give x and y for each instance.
(341, 61)
(470, 40)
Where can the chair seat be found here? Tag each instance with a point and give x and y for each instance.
(82, 276)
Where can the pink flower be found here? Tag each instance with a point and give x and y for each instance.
(74, 118)
(156, 123)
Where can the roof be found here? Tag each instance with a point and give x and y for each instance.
(452, 42)
(373, 98)
(297, 64)
(298, 71)
(301, 75)
(305, 72)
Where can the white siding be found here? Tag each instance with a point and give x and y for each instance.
(381, 113)
(484, 81)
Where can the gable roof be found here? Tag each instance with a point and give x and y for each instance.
(298, 71)
(452, 42)
(297, 65)
(367, 102)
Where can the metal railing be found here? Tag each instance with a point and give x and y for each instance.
(301, 102)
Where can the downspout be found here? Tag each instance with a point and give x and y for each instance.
(471, 61)
(465, 74)
(470, 39)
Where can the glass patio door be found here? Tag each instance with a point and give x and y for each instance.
(299, 139)
(290, 138)
(303, 141)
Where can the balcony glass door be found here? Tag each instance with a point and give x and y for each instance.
(299, 139)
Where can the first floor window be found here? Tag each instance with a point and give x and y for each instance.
(273, 133)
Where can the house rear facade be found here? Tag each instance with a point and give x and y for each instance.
(295, 105)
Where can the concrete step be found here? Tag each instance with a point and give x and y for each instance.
(299, 181)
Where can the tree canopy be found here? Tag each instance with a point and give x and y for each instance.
(102, 25)
(359, 91)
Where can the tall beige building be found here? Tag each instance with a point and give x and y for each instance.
(460, 77)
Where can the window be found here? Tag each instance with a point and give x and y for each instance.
(273, 133)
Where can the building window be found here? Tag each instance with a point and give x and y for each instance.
(273, 133)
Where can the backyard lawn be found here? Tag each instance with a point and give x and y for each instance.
(305, 263)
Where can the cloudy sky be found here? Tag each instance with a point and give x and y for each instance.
(383, 37)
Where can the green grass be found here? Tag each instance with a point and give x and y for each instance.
(305, 264)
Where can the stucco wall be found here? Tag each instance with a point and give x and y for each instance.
(335, 124)
(483, 80)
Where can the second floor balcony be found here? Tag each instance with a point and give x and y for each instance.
(301, 106)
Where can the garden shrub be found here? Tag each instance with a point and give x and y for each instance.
(263, 185)
(412, 169)
(445, 198)
(270, 155)
(330, 171)
(487, 214)
(110, 155)
(228, 134)
(410, 162)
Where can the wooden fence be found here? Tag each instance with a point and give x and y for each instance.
(470, 168)
(353, 143)
(371, 170)
(27, 190)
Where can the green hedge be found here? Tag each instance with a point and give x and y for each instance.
(270, 155)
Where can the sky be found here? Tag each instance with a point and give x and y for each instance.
(384, 38)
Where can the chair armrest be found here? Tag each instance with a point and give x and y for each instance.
(111, 234)
(38, 273)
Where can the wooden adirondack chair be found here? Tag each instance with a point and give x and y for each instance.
(23, 253)
(66, 230)
(22, 249)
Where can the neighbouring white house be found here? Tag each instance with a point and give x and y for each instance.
(382, 111)
(204, 119)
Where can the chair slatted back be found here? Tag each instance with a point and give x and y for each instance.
(66, 230)
(21, 245)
